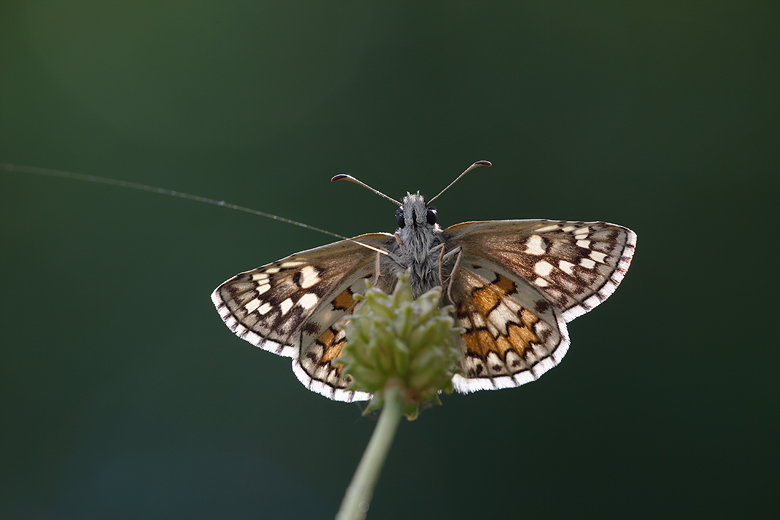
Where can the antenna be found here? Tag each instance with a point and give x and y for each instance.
(345, 177)
(172, 193)
(162, 191)
(478, 163)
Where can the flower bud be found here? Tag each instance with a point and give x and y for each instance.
(396, 341)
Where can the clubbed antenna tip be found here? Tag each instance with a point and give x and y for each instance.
(478, 163)
(345, 177)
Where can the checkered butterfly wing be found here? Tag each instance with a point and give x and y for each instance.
(290, 308)
(518, 284)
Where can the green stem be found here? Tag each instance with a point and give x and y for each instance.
(360, 490)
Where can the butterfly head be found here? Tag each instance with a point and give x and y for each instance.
(415, 214)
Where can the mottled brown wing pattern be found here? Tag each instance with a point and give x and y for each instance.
(575, 265)
(321, 344)
(515, 285)
(288, 308)
(512, 334)
(518, 284)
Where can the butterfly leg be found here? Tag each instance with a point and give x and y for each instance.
(441, 259)
(401, 245)
(378, 274)
(457, 251)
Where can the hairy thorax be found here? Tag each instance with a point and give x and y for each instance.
(417, 246)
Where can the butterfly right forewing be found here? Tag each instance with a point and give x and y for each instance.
(575, 265)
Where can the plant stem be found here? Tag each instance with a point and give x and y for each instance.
(360, 490)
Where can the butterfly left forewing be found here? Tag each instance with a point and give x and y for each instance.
(287, 306)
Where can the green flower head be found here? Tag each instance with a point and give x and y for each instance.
(395, 341)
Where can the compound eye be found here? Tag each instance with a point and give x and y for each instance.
(431, 216)
(399, 215)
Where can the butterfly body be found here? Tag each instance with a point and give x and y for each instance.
(417, 245)
(514, 285)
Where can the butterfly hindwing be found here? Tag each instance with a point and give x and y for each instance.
(321, 343)
(512, 334)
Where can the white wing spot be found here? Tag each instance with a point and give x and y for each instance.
(492, 329)
(546, 229)
(291, 263)
(580, 231)
(583, 243)
(309, 276)
(568, 228)
(597, 256)
(543, 268)
(581, 236)
(285, 306)
(566, 267)
(252, 306)
(477, 320)
(541, 282)
(261, 277)
(263, 287)
(587, 263)
(308, 301)
(272, 270)
(501, 317)
(535, 245)
(264, 308)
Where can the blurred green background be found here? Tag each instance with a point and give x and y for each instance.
(122, 394)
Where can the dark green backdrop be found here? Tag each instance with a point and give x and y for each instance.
(122, 394)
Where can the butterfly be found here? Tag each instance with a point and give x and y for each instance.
(514, 285)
